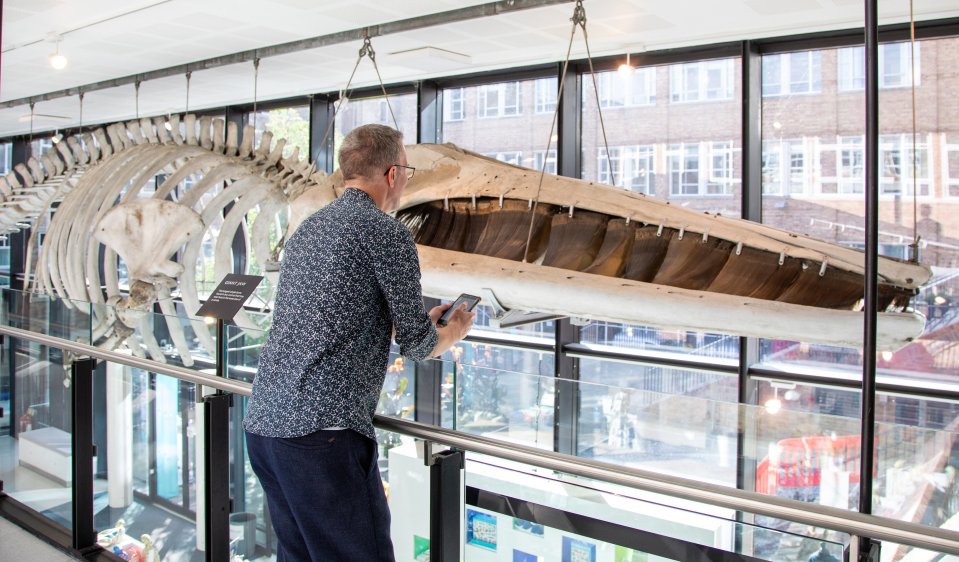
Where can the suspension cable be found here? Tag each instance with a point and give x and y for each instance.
(256, 79)
(366, 50)
(579, 20)
(186, 108)
(136, 97)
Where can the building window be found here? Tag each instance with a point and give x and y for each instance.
(498, 100)
(898, 168)
(895, 63)
(514, 157)
(786, 169)
(638, 89)
(632, 168)
(851, 163)
(454, 105)
(701, 168)
(951, 165)
(550, 161)
(792, 73)
(701, 81)
(545, 93)
(684, 169)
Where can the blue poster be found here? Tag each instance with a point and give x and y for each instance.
(575, 550)
(525, 526)
(520, 556)
(481, 529)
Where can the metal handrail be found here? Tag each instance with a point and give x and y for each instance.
(853, 523)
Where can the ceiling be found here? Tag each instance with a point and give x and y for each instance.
(106, 39)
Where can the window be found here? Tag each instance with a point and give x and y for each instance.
(786, 169)
(498, 100)
(290, 123)
(895, 62)
(701, 169)
(545, 93)
(701, 81)
(637, 89)
(898, 168)
(550, 161)
(684, 169)
(454, 105)
(951, 164)
(514, 157)
(792, 73)
(632, 168)
(6, 158)
(851, 162)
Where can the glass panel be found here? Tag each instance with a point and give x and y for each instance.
(290, 123)
(36, 450)
(658, 418)
(504, 393)
(672, 156)
(146, 481)
(648, 526)
(356, 112)
(654, 342)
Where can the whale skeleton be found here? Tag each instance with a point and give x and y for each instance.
(152, 195)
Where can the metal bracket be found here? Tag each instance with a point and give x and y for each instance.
(508, 318)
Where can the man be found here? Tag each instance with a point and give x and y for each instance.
(350, 280)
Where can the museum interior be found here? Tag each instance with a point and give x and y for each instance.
(716, 244)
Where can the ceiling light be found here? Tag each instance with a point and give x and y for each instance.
(57, 60)
(625, 69)
(57, 137)
(774, 405)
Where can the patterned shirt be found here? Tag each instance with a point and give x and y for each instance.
(350, 275)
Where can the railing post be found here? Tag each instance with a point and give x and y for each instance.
(84, 534)
(445, 486)
(216, 416)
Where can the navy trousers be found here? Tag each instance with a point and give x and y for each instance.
(325, 496)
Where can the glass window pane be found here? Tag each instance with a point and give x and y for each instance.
(683, 151)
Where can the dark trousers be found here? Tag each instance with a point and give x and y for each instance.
(325, 496)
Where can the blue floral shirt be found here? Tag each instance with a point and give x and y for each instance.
(350, 274)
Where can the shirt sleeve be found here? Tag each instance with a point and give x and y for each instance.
(397, 268)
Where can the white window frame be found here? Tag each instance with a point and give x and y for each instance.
(544, 93)
(499, 100)
(850, 165)
(896, 165)
(550, 161)
(851, 62)
(514, 157)
(950, 163)
(787, 167)
(703, 81)
(454, 104)
(638, 89)
(634, 164)
(780, 81)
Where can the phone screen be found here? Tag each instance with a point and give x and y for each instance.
(470, 300)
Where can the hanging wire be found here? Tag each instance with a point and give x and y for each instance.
(365, 51)
(915, 153)
(136, 86)
(579, 20)
(256, 79)
(186, 108)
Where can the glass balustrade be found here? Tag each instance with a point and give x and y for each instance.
(148, 430)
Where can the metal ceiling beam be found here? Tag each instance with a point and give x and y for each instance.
(451, 16)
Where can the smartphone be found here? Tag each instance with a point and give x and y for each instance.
(470, 300)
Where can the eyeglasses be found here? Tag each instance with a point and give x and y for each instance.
(410, 170)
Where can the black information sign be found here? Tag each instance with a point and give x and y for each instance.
(228, 297)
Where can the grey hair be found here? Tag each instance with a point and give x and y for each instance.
(369, 150)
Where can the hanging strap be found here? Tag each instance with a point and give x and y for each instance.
(579, 20)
